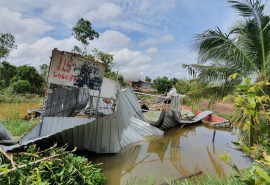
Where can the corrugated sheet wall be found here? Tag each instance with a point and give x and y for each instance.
(176, 106)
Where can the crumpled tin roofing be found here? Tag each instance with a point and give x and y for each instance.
(5, 136)
(106, 134)
(176, 106)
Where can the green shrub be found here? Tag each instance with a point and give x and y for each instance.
(21, 86)
(64, 168)
(8, 96)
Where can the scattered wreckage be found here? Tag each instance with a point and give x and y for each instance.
(88, 111)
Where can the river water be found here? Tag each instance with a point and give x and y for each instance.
(181, 152)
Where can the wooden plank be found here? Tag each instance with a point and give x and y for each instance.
(151, 104)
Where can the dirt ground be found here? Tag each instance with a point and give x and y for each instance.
(218, 107)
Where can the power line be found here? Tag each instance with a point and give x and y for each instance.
(40, 61)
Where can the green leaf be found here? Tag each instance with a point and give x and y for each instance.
(242, 87)
(268, 148)
(236, 143)
(262, 173)
(264, 128)
(252, 101)
(233, 76)
(74, 149)
(247, 81)
(4, 170)
(244, 147)
(265, 142)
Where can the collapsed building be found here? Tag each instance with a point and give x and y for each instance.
(86, 110)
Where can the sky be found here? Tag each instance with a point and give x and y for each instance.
(152, 37)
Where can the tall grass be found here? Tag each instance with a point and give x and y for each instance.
(11, 115)
(8, 96)
(18, 127)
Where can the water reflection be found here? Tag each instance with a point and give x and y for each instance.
(179, 153)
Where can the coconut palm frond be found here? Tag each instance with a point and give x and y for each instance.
(240, 121)
(248, 8)
(257, 31)
(214, 93)
(210, 73)
(217, 47)
(245, 50)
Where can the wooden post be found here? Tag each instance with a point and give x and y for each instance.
(214, 134)
(151, 105)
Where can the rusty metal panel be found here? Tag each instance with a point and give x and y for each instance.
(76, 71)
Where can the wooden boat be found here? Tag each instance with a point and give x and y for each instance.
(211, 120)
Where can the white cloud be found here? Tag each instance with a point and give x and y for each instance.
(104, 12)
(68, 11)
(126, 57)
(26, 30)
(151, 50)
(109, 41)
(167, 38)
(33, 53)
(27, 53)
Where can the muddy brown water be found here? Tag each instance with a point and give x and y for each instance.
(181, 152)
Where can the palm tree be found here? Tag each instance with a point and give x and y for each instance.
(245, 51)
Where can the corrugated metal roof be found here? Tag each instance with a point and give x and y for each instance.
(169, 121)
(132, 77)
(176, 106)
(106, 134)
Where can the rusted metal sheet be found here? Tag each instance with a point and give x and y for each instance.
(73, 70)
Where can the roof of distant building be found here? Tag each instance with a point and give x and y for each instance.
(132, 77)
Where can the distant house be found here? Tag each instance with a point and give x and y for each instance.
(132, 77)
(136, 81)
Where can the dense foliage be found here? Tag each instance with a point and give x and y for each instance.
(61, 168)
(83, 32)
(105, 58)
(244, 50)
(29, 74)
(21, 79)
(7, 44)
(148, 79)
(163, 84)
(7, 72)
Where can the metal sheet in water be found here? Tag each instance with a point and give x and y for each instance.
(179, 153)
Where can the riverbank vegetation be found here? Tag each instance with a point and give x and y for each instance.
(50, 166)
(239, 70)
